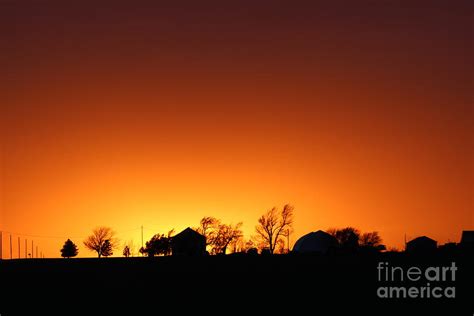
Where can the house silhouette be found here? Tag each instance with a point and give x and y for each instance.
(467, 240)
(188, 243)
(421, 244)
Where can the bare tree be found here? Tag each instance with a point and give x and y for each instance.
(280, 246)
(273, 225)
(371, 239)
(97, 241)
(224, 236)
(207, 228)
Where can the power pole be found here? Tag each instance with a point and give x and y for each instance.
(11, 253)
(1, 245)
(288, 240)
(142, 238)
(32, 249)
(26, 248)
(18, 247)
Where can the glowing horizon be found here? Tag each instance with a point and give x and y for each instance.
(358, 115)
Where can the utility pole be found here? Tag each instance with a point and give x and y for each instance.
(18, 247)
(288, 240)
(142, 238)
(32, 249)
(26, 248)
(11, 253)
(1, 245)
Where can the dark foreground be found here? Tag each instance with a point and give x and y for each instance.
(346, 284)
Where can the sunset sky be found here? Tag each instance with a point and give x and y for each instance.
(358, 113)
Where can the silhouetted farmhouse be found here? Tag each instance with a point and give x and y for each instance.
(188, 243)
(315, 242)
(421, 244)
(467, 240)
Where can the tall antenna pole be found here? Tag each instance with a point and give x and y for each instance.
(11, 253)
(26, 248)
(18, 247)
(32, 249)
(142, 236)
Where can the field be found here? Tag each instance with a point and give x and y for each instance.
(218, 284)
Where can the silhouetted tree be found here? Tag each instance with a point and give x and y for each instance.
(273, 225)
(347, 238)
(126, 251)
(371, 239)
(224, 235)
(207, 227)
(131, 248)
(69, 249)
(158, 245)
(96, 241)
(107, 250)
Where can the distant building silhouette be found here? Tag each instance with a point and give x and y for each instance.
(467, 240)
(315, 242)
(421, 244)
(448, 248)
(188, 243)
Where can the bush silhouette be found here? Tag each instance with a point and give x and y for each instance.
(126, 251)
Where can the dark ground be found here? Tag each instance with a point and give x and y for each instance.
(296, 285)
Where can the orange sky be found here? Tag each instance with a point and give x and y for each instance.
(158, 115)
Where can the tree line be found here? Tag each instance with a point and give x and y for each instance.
(271, 236)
